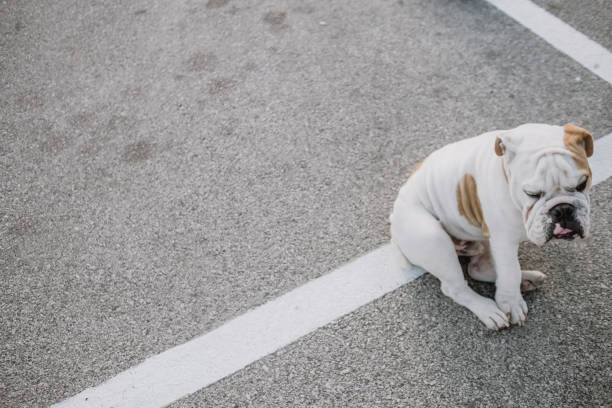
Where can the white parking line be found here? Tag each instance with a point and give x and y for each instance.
(184, 369)
(204, 360)
(563, 37)
(601, 161)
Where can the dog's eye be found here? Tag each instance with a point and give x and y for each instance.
(580, 187)
(535, 195)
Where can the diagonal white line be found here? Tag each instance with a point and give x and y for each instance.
(601, 161)
(186, 368)
(560, 35)
(204, 360)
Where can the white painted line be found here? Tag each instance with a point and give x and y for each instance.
(184, 369)
(560, 35)
(601, 161)
(204, 360)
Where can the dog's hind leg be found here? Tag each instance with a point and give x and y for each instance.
(481, 268)
(531, 280)
(425, 243)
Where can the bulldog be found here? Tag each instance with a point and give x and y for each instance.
(480, 197)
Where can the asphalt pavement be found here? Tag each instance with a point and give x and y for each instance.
(167, 166)
(416, 348)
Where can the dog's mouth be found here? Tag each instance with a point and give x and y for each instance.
(556, 231)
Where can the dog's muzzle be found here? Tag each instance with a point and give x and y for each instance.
(565, 224)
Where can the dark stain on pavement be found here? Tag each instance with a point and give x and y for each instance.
(82, 120)
(227, 130)
(131, 92)
(276, 20)
(137, 152)
(23, 225)
(19, 26)
(250, 67)
(119, 123)
(220, 86)
(54, 143)
(202, 61)
(493, 54)
(28, 100)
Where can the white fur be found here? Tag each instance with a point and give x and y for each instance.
(426, 212)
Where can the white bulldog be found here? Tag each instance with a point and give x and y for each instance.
(481, 197)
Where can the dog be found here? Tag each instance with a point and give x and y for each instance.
(482, 196)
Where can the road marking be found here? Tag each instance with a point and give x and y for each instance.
(204, 360)
(191, 366)
(560, 35)
(601, 161)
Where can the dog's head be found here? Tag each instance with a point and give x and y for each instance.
(549, 177)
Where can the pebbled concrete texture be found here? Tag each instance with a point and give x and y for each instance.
(415, 347)
(168, 166)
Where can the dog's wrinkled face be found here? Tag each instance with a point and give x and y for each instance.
(549, 176)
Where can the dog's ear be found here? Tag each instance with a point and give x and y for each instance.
(500, 147)
(576, 137)
(505, 146)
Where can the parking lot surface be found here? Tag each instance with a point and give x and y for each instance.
(168, 166)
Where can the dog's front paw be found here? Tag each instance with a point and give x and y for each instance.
(488, 313)
(513, 305)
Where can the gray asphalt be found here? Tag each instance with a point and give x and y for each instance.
(414, 347)
(168, 166)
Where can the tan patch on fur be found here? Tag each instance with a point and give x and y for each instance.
(504, 170)
(468, 203)
(499, 146)
(579, 142)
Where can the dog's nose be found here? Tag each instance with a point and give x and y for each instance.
(562, 212)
